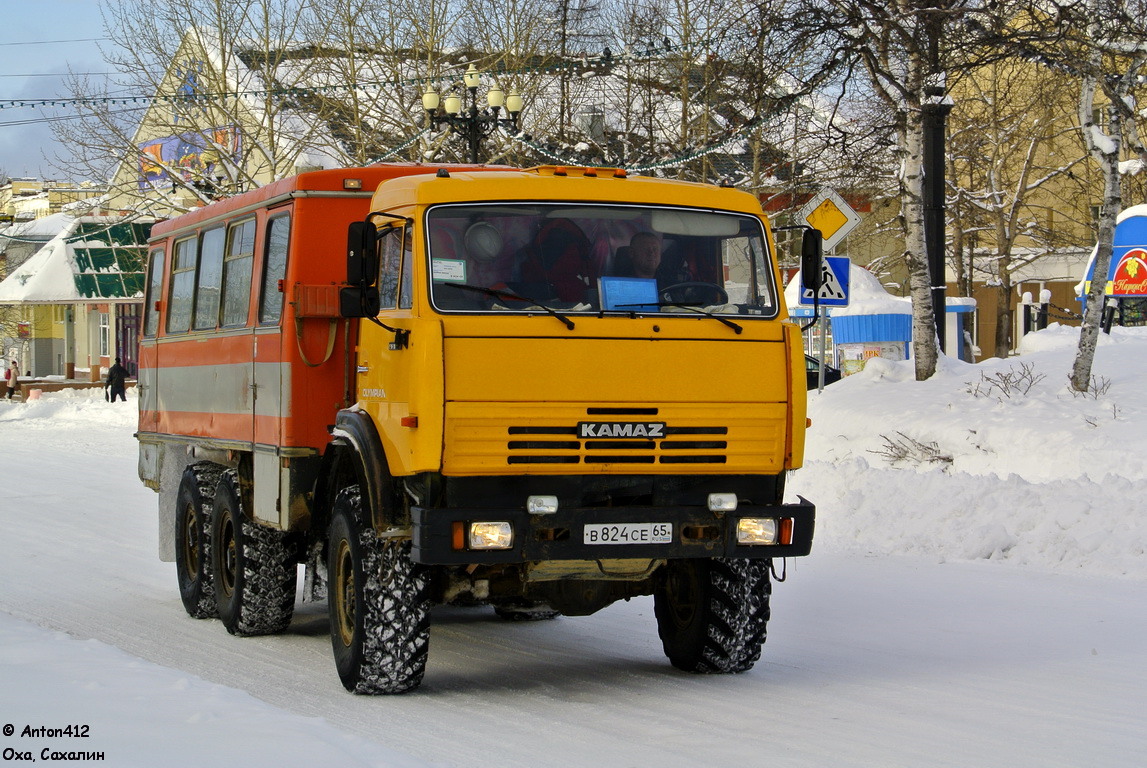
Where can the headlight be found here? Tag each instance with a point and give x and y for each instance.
(753, 531)
(491, 536)
(757, 530)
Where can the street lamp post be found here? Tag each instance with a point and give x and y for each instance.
(473, 124)
(936, 110)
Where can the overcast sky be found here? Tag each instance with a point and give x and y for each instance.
(32, 63)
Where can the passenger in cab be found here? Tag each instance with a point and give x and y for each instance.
(558, 263)
(486, 264)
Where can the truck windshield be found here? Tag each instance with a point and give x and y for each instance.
(577, 258)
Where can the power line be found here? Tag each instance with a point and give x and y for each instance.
(57, 118)
(53, 42)
(57, 74)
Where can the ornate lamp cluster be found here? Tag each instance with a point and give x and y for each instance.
(470, 122)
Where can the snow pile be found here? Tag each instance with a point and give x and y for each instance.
(43, 228)
(73, 409)
(999, 460)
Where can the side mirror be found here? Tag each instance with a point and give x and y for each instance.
(359, 301)
(362, 254)
(812, 252)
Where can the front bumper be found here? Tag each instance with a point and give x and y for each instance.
(697, 532)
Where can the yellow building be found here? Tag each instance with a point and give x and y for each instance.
(1022, 197)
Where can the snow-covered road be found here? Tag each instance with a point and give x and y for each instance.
(871, 660)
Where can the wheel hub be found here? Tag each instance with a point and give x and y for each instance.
(344, 587)
(230, 557)
(190, 542)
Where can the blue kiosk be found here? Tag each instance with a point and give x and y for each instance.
(1126, 288)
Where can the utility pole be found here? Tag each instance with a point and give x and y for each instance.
(935, 107)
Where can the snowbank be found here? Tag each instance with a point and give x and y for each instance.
(999, 460)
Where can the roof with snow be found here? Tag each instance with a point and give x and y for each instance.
(88, 259)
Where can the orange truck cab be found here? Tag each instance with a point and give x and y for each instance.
(543, 390)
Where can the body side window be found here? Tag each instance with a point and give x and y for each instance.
(237, 263)
(182, 285)
(209, 279)
(274, 270)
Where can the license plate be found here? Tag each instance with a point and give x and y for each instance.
(628, 533)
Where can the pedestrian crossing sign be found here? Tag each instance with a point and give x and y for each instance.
(835, 274)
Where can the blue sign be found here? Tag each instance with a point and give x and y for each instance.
(835, 273)
(628, 294)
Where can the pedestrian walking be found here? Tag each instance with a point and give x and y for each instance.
(116, 382)
(12, 378)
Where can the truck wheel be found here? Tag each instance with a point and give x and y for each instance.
(193, 539)
(254, 568)
(379, 604)
(712, 613)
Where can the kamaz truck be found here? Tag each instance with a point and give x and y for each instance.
(539, 390)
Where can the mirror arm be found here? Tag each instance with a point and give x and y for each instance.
(404, 219)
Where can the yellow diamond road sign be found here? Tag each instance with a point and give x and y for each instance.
(829, 213)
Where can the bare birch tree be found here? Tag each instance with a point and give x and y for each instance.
(1112, 41)
(909, 49)
(894, 42)
(1011, 136)
(1102, 44)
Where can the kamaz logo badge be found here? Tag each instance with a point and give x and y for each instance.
(620, 429)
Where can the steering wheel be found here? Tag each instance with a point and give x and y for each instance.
(706, 294)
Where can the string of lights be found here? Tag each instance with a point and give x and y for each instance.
(402, 147)
(606, 57)
(669, 162)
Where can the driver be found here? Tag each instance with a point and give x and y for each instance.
(643, 258)
(645, 255)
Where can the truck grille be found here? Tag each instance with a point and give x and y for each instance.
(490, 438)
(553, 444)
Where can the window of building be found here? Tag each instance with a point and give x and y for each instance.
(105, 333)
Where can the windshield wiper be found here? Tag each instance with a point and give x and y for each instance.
(505, 293)
(694, 307)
